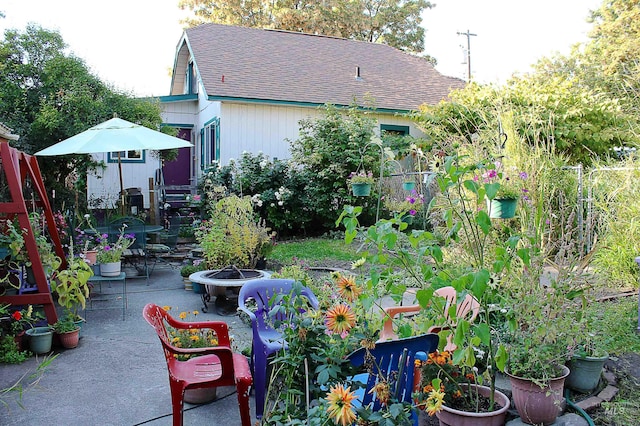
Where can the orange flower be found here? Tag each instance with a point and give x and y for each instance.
(340, 319)
(347, 288)
(382, 392)
(434, 402)
(183, 315)
(340, 407)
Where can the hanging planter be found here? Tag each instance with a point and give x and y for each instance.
(361, 189)
(408, 185)
(502, 208)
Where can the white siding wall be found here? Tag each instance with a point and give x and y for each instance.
(105, 184)
(266, 128)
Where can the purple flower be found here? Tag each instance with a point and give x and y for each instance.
(412, 212)
(523, 175)
(130, 236)
(107, 248)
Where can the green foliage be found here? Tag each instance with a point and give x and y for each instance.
(233, 235)
(47, 95)
(556, 112)
(189, 269)
(9, 353)
(65, 324)
(615, 209)
(393, 23)
(327, 151)
(71, 285)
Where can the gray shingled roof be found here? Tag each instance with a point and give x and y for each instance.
(295, 67)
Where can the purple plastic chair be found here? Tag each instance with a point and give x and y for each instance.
(393, 360)
(266, 340)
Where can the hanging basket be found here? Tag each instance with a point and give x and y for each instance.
(361, 189)
(409, 186)
(502, 208)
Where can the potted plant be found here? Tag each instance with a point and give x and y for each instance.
(71, 285)
(538, 341)
(361, 182)
(466, 233)
(406, 208)
(233, 235)
(503, 190)
(193, 338)
(110, 253)
(190, 268)
(68, 331)
(588, 356)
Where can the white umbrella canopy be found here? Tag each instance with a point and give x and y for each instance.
(114, 135)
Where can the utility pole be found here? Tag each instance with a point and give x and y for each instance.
(469, 35)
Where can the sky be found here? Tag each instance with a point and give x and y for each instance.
(131, 43)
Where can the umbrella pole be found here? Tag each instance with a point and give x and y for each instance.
(122, 206)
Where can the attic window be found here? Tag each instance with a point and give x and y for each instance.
(190, 80)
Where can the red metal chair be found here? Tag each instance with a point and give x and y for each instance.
(214, 366)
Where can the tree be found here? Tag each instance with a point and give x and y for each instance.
(556, 112)
(610, 61)
(47, 96)
(395, 23)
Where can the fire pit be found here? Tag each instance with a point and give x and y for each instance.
(224, 284)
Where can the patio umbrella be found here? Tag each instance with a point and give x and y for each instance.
(115, 135)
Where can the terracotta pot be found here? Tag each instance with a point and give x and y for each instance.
(200, 395)
(91, 257)
(538, 405)
(70, 339)
(451, 417)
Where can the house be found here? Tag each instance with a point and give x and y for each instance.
(237, 89)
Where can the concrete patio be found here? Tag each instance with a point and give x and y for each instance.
(117, 375)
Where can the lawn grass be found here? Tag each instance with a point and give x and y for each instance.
(313, 250)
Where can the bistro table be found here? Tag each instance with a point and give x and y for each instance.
(139, 251)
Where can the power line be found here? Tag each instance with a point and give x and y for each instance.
(469, 35)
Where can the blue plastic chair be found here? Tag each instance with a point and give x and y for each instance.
(392, 360)
(266, 340)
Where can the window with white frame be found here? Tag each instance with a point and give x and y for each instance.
(132, 156)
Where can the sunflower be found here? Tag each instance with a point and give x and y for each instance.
(340, 407)
(348, 289)
(340, 319)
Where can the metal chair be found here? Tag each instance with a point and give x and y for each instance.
(266, 340)
(212, 367)
(468, 306)
(392, 361)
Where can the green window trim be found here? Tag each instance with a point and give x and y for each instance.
(394, 128)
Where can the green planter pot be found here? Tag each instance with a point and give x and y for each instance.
(198, 288)
(585, 373)
(361, 189)
(408, 186)
(502, 208)
(40, 339)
